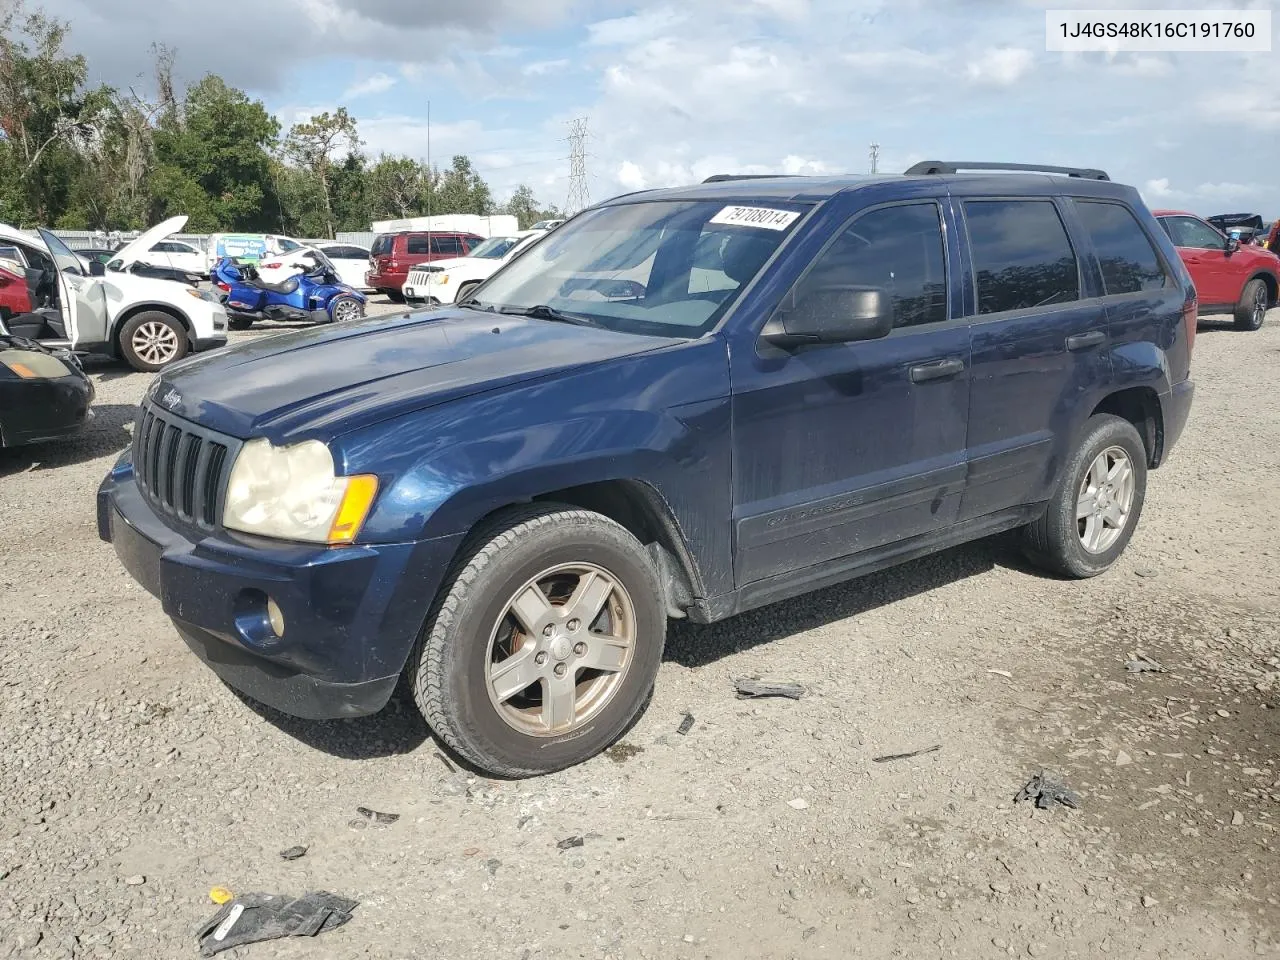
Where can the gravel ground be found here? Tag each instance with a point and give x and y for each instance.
(132, 781)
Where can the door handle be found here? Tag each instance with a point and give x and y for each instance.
(1083, 341)
(937, 370)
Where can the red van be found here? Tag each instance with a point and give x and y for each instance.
(393, 254)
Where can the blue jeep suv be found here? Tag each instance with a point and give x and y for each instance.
(681, 403)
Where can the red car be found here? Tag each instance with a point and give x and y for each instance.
(393, 254)
(1243, 280)
(15, 298)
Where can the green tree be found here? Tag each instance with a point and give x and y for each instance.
(460, 190)
(213, 161)
(526, 209)
(397, 188)
(312, 145)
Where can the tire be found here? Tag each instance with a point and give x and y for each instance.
(452, 668)
(465, 291)
(1057, 541)
(344, 309)
(395, 296)
(152, 340)
(239, 323)
(1252, 308)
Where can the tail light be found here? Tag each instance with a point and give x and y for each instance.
(224, 287)
(394, 265)
(271, 266)
(1191, 319)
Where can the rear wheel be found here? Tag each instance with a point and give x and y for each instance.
(544, 644)
(1092, 516)
(1252, 308)
(153, 340)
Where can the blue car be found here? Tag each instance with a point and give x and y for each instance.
(683, 403)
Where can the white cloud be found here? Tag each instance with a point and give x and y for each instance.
(1158, 190)
(630, 176)
(378, 83)
(1227, 191)
(625, 31)
(540, 67)
(787, 9)
(1144, 67)
(1001, 66)
(1247, 105)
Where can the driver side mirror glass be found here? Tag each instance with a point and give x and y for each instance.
(1233, 243)
(96, 268)
(832, 314)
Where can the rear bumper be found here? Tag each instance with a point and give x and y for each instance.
(385, 281)
(352, 614)
(1176, 407)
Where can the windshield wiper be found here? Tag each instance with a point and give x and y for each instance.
(543, 312)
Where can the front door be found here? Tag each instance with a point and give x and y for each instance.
(843, 448)
(1204, 250)
(83, 299)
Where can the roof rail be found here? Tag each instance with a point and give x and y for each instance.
(927, 167)
(726, 177)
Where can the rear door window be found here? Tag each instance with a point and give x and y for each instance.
(1128, 261)
(415, 244)
(449, 246)
(1022, 256)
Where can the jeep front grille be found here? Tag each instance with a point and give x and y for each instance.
(181, 467)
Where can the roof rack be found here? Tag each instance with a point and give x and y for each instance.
(726, 177)
(927, 167)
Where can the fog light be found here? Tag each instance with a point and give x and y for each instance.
(275, 616)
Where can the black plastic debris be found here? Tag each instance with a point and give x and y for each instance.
(1143, 664)
(1046, 791)
(568, 843)
(751, 688)
(257, 917)
(377, 817)
(293, 853)
(685, 725)
(889, 758)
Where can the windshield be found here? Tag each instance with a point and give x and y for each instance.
(671, 268)
(493, 248)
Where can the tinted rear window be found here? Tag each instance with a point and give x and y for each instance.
(450, 246)
(1022, 257)
(381, 246)
(415, 244)
(1128, 260)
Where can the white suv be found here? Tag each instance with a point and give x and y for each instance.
(452, 281)
(150, 323)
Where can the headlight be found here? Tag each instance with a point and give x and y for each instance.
(440, 278)
(200, 294)
(292, 493)
(30, 365)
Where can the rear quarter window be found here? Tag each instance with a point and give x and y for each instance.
(1022, 256)
(1128, 261)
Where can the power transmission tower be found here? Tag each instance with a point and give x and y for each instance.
(875, 158)
(579, 193)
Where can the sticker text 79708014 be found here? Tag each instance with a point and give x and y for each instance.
(755, 217)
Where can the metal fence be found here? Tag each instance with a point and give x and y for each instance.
(91, 239)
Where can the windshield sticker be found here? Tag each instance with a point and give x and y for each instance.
(755, 217)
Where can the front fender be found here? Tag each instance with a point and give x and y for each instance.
(661, 419)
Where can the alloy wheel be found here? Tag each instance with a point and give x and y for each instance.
(1105, 501)
(155, 342)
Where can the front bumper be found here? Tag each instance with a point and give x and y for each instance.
(352, 614)
(33, 411)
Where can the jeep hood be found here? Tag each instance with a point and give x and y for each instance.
(332, 380)
(132, 251)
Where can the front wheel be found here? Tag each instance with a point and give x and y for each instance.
(1096, 507)
(153, 340)
(395, 296)
(544, 644)
(1252, 308)
(344, 308)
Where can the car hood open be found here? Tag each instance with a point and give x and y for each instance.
(332, 380)
(132, 251)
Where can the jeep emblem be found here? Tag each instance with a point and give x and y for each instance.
(171, 398)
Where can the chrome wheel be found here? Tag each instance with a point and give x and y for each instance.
(346, 310)
(1259, 306)
(560, 650)
(155, 342)
(1105, 500)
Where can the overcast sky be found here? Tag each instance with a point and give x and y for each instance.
(675, 92)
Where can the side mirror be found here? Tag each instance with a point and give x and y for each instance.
(1233, 243)
(835, 313)
(97, 268)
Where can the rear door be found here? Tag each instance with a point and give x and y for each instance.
(1204, 250)
(1039, 339)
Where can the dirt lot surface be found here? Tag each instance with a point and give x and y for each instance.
(132, 781)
